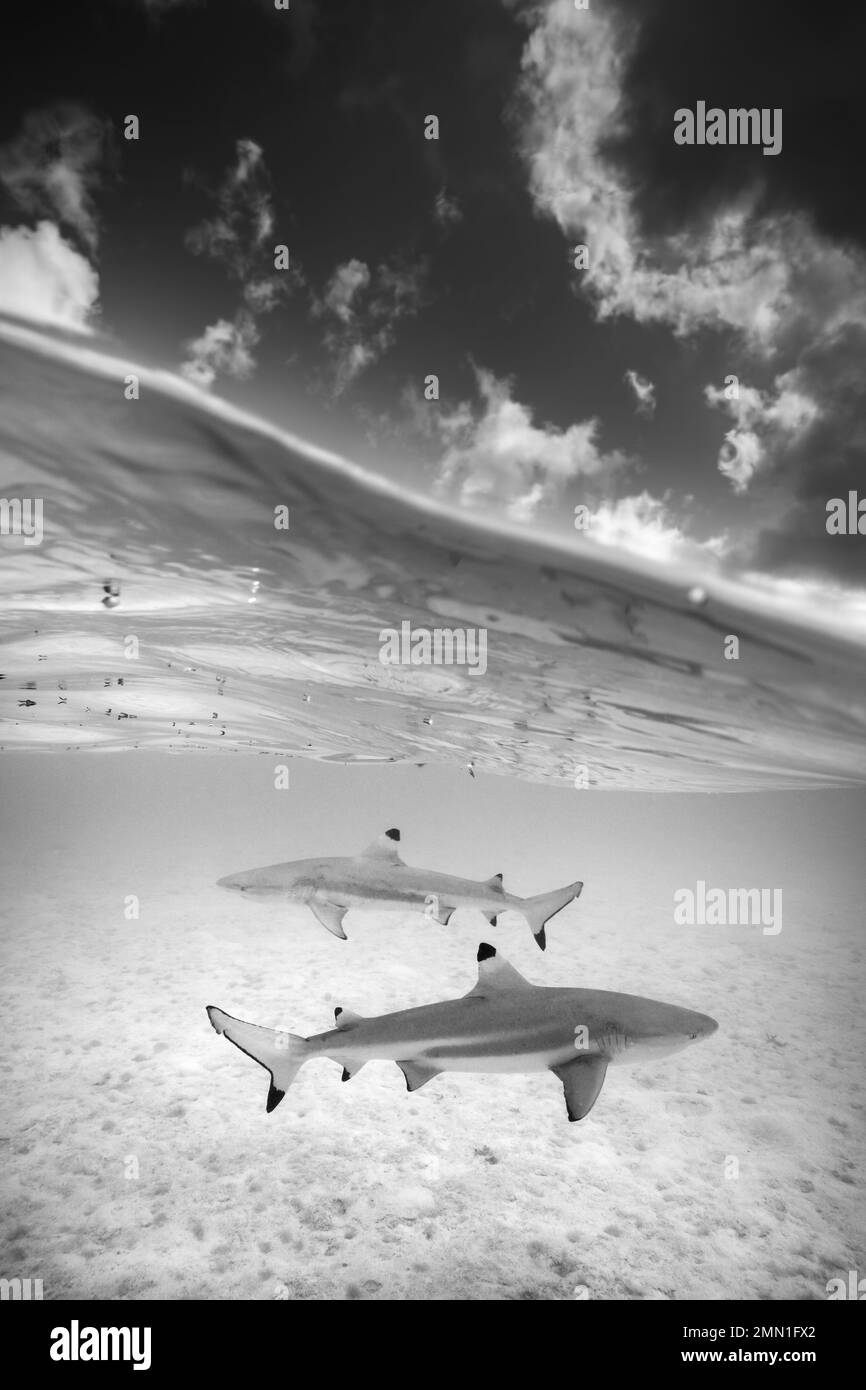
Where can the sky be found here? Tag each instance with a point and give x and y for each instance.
(407, 257)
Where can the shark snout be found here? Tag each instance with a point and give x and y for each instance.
(700, 1026)
(230, 881)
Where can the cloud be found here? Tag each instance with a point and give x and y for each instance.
(237, 235)
(446, 210)
(644, 390)
(644, 525)
(224, 349)
(498, 456)
(241, 237)
(343, 288)
(43, 278)
(397, 291)
(766, 424)
(52, 167)
(730, 268)
(726, 241)
(821, 461)
(361, 309)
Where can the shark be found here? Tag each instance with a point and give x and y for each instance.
(504, 1024)
(378, 878)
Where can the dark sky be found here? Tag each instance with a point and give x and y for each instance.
(408, 256)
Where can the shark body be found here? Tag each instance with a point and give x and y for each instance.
(379, 879)
(504, 1024)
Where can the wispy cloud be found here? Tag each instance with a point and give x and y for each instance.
(446, 210)
(736, 270)
(241, 234)
(53, 166)
(224, 349)
(361, 309)
(754, 267)
(766, 423)
(343, 288)
(644, 392)
(241, 237)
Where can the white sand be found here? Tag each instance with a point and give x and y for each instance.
(139, 1160)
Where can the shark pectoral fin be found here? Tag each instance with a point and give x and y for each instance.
(582, 1081)
(330, 916)
(417, 1074)
(351, 1069)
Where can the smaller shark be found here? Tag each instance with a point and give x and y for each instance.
(504, 1024)
(379, 879)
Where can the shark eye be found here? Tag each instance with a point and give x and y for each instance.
(693, 1035)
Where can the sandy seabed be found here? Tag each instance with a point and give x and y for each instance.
(138, 1160)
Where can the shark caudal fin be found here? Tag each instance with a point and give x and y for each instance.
(281, 1054)
(539, 910)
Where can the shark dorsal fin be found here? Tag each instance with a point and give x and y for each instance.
(494, 972)
(494, 882)
(347, 1018)
(385, 847)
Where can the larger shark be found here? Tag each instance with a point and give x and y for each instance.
(379, 879)
(504, 1024)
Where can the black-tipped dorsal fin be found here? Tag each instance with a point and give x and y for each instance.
(494, 972)
(385, 847)
(494, 882)
(345, 1018)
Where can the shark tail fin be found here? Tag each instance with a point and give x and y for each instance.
(281, 1054)
(539, 910)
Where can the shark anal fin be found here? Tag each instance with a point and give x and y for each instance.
(330, 916)
(417, 1074)
(582, 1081)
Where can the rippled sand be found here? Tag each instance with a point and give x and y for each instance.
(138, 1159)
